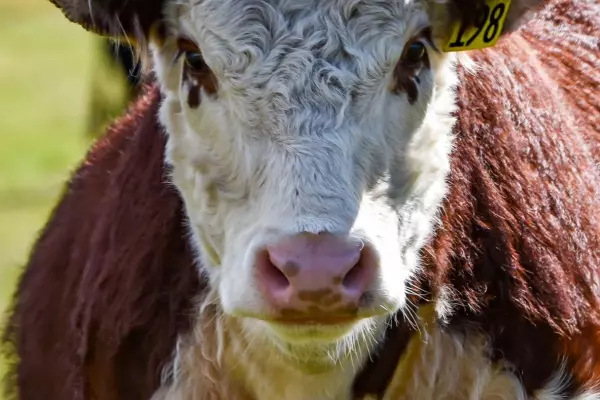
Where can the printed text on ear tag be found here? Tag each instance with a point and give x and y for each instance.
(485, 33)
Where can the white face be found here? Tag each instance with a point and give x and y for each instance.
(308, 116)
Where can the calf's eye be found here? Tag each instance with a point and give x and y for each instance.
(407, 73)
(192, 56)
(196, 75)
(195, 61)
(414, 53)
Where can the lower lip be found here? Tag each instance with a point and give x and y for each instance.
(312, 323)
(312, 331)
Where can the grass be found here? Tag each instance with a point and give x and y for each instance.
(45, 81)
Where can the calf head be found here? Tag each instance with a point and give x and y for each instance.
(310, 143)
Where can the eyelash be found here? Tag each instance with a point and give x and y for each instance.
(425, 37)
(183, 46)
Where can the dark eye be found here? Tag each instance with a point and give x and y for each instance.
(409, 69)
(191, 55)
(195, 61)
(414, 53)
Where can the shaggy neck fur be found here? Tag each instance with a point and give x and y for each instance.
(416, 183)
(247, 367)
(239, 369)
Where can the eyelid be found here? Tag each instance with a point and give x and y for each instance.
(424, 36)
(177, 57)
(184, 45)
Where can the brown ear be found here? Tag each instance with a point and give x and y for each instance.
(115, 18)
(519, 12)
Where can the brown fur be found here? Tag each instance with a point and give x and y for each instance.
(584, 351)
(116, 18)
(110, 282)
(519, 245)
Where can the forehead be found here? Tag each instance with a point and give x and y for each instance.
(236, 32)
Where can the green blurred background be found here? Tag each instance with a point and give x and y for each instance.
(52, 75)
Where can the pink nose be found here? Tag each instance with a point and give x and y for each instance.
(315, 277)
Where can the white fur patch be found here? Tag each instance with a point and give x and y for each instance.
(305, 135)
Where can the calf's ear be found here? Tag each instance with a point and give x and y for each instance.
(475, 24)
(134, 19)
(518, 12)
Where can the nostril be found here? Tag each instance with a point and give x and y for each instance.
(354, 276)
(361, 274)
(270, 274)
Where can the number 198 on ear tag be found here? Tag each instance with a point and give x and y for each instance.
(485, 32)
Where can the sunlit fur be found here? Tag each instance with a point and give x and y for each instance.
(219, 360)
(438, 365)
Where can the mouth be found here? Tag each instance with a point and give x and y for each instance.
(315, 320)
(311, 320)
(308, 328)
(315, 343)
(311, 333)
(314, 329)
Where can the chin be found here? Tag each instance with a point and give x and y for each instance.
(311, 334)
(315, 345)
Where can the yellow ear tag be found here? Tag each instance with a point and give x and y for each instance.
(490, 23)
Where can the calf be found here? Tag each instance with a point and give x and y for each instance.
(323, 200)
